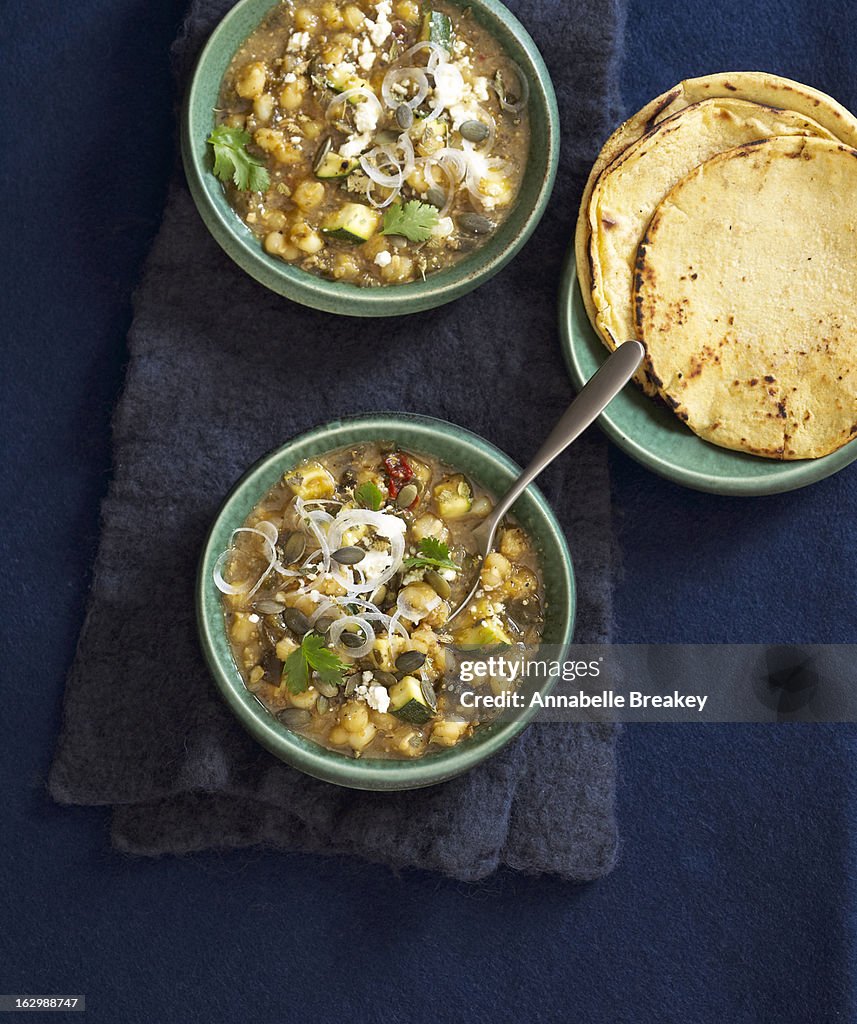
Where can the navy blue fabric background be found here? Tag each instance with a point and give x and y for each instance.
(734, 899)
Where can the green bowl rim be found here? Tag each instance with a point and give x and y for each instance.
(308, 757)
(340, 297)
(789, 476)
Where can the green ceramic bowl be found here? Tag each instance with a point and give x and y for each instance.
(473, 456)
(336, 296)
(652, 435)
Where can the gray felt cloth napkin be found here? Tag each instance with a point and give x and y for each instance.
(221, 371)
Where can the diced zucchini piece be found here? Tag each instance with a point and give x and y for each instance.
(453, 497)
(311, 480)
(336, 166)
(408, 702)
(342, 77)
(487, 634)
(437, 28)
(352, 222)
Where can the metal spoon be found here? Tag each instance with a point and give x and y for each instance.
(607, 381)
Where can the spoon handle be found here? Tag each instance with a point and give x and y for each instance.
(601, 388)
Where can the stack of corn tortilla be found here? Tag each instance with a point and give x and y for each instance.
(719, 227)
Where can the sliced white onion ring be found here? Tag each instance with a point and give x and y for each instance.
(394, 76)
(375, 174)
(524, 85)
(385, 525)
(338, 627)
(271, 552)
(361, 91)
(437, 54)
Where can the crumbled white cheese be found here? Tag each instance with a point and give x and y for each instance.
(356, 145)
(415, 575)
(381, 28)
(448, 574)
(374, 563)
(297, 41)
(367, 55)
(367, 677)
(296, 139)
(449, 86)
(290, 77)
(366, 117)
(466, 110)
(253, 617)
(480, 88)
(378, 698)
(383, 259)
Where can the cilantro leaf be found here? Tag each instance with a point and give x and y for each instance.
(369, 495)
(413, 220)
(312, 654)
(320, 657)
(295, 673)
(232, 161)
(434, 554)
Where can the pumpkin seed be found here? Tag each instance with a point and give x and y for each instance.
(267, 607)
(323, 705)
(351, 639)
(377, 596)
(474, 131)
(325, 688)
(407, 496)
(500, 86)
(429, 694)
(438, 584)
(296, 621)
(386, 678)
(273, 629)
(436, 197)
(324, 623)
(475, 224)
(348, 555)
(321, 153)
(294, 718)
(404, 116)
(351, 684)
(410, 662)
(397, 241)
(294, 547)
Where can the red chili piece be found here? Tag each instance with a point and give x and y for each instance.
(399, 471)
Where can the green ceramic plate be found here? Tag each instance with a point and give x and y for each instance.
(473, 456)
(336, 296)
(653, 436)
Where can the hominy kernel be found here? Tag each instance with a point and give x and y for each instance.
(407, 10)
(308, 195)
(251, 81)
(353, 16)
(292, 94)
(263, 106)
(331, 15)
(305, 20)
